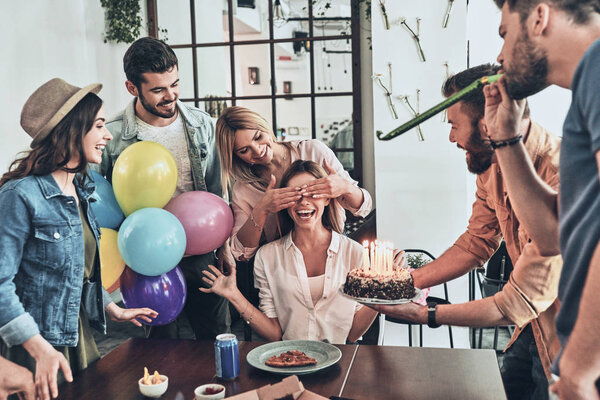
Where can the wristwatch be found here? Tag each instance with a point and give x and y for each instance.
(431, 307)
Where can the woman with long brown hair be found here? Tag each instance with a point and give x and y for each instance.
(50, 286)
(299, 275)
(252, 163)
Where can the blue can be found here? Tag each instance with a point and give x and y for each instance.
(227, 356)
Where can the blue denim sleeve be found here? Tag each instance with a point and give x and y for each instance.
(16, 326)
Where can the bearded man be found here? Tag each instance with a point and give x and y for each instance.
(528, 299)
(557, 42)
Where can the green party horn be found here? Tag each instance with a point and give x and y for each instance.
(419, 119)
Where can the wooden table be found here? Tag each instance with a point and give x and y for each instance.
(417, 373)
(364, 372)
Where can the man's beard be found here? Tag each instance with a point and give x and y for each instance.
(479, 153)
(153, 110)
(529, 71)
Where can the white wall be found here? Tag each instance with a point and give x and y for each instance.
(43, 40)
(424, 192)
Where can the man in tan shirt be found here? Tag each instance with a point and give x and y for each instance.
(528, 299)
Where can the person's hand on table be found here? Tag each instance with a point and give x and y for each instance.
(119, 314)
(47, 363)
(15, 379)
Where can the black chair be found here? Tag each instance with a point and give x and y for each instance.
(418, 253)
(492, 279)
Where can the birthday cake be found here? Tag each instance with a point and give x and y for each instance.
(391, 286)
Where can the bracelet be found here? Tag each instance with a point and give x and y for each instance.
(257, 226)
(251, 315)
(245, 309)
(502, 143)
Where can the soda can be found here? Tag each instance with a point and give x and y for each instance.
(227, 356)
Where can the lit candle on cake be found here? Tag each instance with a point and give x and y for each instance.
(366, 263)
(378, 257)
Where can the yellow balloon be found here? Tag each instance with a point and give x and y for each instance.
(111, 263)
(145, 175)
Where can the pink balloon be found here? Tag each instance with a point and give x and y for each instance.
(206, 219)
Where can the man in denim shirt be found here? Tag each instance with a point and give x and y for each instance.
(156, 114)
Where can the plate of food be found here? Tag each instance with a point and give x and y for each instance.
(294, 357)
(366, 287)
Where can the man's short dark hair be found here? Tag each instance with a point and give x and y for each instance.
(474, 103)
(579, 10)
(147, 55)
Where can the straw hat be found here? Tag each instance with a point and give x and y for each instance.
(49, 104)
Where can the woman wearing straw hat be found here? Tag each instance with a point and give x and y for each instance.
(252, 157)
(50, 287)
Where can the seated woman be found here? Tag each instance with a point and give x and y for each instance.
(251, 155)
(299, 275)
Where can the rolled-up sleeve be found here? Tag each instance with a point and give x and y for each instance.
(532, 287)
(483, 234)
(16, 325)
(261, 283)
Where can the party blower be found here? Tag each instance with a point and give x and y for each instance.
(419, 119)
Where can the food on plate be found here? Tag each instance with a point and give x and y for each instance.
(398, 284)
(291, 358)
(154, 380)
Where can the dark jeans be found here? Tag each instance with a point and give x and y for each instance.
(207, 313)
(522, 371)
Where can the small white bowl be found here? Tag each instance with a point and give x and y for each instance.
(154, 391)
(199, 392)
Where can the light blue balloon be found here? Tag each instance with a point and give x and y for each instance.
(151, 241)
(107, 210)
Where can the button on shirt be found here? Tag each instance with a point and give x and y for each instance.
(284, 290)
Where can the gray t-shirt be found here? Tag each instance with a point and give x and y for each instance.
(579, 189)
(173, 138)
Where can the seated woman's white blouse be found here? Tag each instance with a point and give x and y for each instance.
(284, 292)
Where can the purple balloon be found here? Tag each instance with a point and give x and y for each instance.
(206, 219)
(164, 293)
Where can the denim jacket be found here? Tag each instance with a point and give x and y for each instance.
(200, 135)
(42, 263)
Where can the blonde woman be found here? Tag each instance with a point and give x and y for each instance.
(253, 162)
(299, 275)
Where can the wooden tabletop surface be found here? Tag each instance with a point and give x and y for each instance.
(364, 372)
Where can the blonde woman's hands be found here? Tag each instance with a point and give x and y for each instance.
(219, 283)
(275, 200)
(119, 314)
(332, 186)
